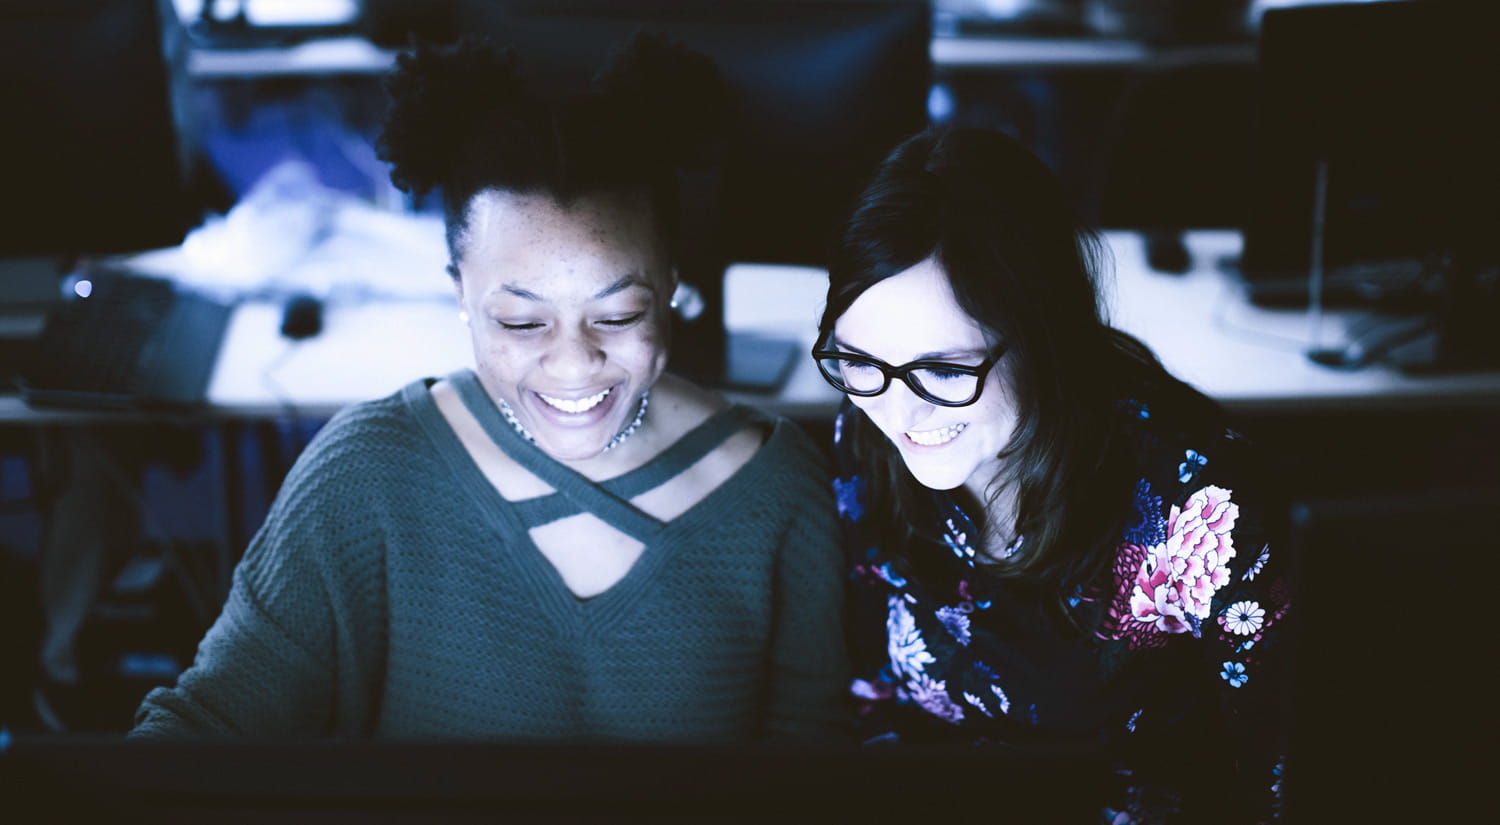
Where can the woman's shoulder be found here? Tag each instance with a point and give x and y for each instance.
(681, 404)
(360, 438)
(1178, 445)
(388, 417)
(756, 434)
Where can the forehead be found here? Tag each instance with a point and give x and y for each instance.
(534, 242)
(908, 316)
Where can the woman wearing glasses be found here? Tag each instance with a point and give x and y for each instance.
(1053, 540)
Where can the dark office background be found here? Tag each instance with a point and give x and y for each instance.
(1160, 142)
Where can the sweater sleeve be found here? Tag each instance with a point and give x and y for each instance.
(809, 668)
(286, 654)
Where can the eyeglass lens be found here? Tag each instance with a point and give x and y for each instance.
(945, 385)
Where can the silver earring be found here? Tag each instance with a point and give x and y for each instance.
(463, 316)
(687, 302)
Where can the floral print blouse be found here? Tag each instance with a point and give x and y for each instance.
(1178, 675)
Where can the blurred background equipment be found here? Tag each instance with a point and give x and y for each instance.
(819, 91)
(1375, 172)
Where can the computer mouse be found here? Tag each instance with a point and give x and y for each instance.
(1166, 252)
(302, 316)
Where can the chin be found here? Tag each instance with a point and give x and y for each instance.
(572, 453)
(938, 478)
(577, 447)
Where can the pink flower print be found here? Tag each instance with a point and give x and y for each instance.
(1173, 583)
(1119, 622)
(1179, 577)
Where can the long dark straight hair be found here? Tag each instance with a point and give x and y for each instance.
(1022, 265)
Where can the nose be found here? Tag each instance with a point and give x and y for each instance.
(900, 408)
(573, 356)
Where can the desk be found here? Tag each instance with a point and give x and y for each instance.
(1251, 358)
(371, 348)
(1198, 323)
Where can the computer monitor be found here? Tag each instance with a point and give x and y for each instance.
(820, 91)
(1374, 151)
(95, 160)
(92, 142)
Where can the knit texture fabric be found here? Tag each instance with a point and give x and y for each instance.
(390, 594)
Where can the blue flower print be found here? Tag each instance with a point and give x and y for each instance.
(1234, 674)
(889, 573)
(847, 493)
(1147, 527)
(1137, 409)
(1188, 470)
(1002, 699)
(1259, 564)
(956, 621)
(907, 649)
(958, 542)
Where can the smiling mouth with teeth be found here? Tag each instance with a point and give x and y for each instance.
(933, 438)
(575, 406)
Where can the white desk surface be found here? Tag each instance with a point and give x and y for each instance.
(1251, 358)
(1198, 323)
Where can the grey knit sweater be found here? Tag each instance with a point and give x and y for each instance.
(392, 593)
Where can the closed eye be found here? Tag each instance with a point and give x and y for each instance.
(626, 321)
(524, 326)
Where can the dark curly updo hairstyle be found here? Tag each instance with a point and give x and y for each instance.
(466, 118)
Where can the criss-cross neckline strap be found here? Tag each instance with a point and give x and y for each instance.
(699, 441)
(609, 500)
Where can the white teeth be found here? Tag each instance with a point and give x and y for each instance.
(932, 438)
(574, 406)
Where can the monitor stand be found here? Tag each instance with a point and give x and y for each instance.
(705, 350)
(757, 363)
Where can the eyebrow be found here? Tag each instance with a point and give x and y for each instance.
(621, 285)
(926, 356)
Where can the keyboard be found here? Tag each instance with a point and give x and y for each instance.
(1361, 284)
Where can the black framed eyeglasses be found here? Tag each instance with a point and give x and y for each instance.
(940, 382)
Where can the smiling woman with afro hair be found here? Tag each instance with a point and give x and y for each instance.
(565, 542)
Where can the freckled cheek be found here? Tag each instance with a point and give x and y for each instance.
(503, 366)
(646, 355)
